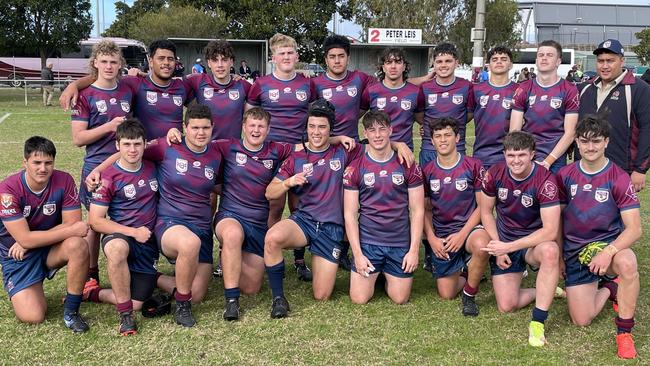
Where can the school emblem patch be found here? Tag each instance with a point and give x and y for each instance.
(126, 107)
(461, 184)
(208, 172)
(405, 104)
(601, 195)
(152, 97)
(153, 184)
(352, 91)
(268, 164)
(574, 189)
(49, 209)
(335, 164)
(556, 103)
(274, 95)
(506, 103)
(369, 179)
(503, 194)
(129, 191)
(381, 103)
(233, 94)
(531, 99)
(457, 99)
(308, 169)
(240, 158)
(483, 101)
(432, 98)
(208, 93)
(327, 93)
(434, 184)
(398, 178)
(6, 199)
(526, 200)
(181, 165)
(301, 95)
(101, 106)
(178, 100)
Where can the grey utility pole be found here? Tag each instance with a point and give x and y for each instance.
(478, 34)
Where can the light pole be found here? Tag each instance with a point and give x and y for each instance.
(478, 35)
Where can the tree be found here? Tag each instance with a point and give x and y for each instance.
(44, 27)
(175, 21)
(642, 50)
(126, 15)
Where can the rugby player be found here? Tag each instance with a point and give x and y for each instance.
(42, 231)
(525, 196)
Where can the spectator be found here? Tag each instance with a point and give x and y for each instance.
(198, 67)
(179, 70)
(646, 76)
(48, 84)
(244, 70)
(532, 74)
(484, 76)
(523, 75)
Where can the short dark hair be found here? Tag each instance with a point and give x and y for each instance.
(518, 140)
(336, 41)
(130, 129)
(197, 111)
(552, 43)
(393, 53)
(445, 48)
(219, 47)
(39, 144)
(499, 50)
(162, 44)
(593, 126)
(323, 108)
(442, 123)
(257, 113)
(374, 116)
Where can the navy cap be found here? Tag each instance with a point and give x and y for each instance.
(610, 46)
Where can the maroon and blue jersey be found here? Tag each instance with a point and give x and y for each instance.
(594, 203)
(544, 110)
(383, 199)
(43, 210)
(518, 202)
(452, 193)
(321, 198)
(225, 101)
(491, 120)
(455, 100)
(287, 101)
(185, 180)
(345, 95)
(96, 107)
(401, 105)
(131, 196)
(158, 107)
(246, 174)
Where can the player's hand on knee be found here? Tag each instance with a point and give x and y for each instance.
(454, 242)
(438, 247)
(142, 234)
(174, 136)
(600, 263)
(17, 252)
(363, 265)
(79, 228)
(497, 248)
(410, 261)
(503, 261)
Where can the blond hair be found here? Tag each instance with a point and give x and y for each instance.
(104, 47)
(281, 40)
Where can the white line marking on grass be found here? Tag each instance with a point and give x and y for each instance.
(22, 142)
(4, 117)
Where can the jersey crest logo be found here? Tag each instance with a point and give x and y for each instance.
(49, 209)
(301, 95)
(615, 95)
(549, 190)
(405, 104)
(631, 192)
(531, 99)
(274, 95)
(369, 179)
(208, 93)
(153, 184)
(484, 100)
(209, 172)
(574, 189)
(398, 178)
(506, 103)
(181, 165)
(7, 199)
(101, 106)
(503, 194)
(526, 200)
(327, 93)
(240, 158)
(457, 99)
(308, 169)
(268, 164)
(381, 103)
(556, 103)
(601, 195)
(432, 98)
(352, 91)
(336, 253)
(233, 94)
(152, 97)
(129, 191)
(27, 210)
(335, 164)
(178, 100)
(126, 107)
(461, 184)
(434, 184)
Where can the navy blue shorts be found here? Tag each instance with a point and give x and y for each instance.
(447, 267)
(142, 256)
(427, 156)
(85, 196)
(19, 275)
(253, 234)
(205, 253)
(385, 259)
(578, 274)
(518, 263)
(323, 238)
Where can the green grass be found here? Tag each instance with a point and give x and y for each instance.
(426, 331)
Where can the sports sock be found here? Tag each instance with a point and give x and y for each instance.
(624, 325)
(71, 303)
(540, 315)
(93, 272)
(182, 297)
(469, 290)
(276, 277)
(613, 289)
(299, 255)
(124, 307)
(93, 296)
(231, 293)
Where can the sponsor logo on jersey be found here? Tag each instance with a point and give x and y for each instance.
(49, 209)
(461, 184)
(574, 189)
(268, 164)
(320, 162)
(432, 98)
(153, 184)
(240, 158)
(556, 103)
(208, 93)
(352, 91)
(526, 200)
(445, 95)
(457, 99)
(287, 90)
(196, 164)
(208, 172)
(27, 210)
(434, 184)
(152, 97)
(129, 191)
(543, 98)
(397, 178)
(327, 93)
(113, 101)
(405, 104)
(393, 99)
(483, 100)
(308, 169)
(141, 183)
(126, 107)
(178, 100)
(531, 99)
(233, 94)
(549, 190)
(6, 199)
(274, 95)
(101, 106)
(301, 95)
(335, 164)
(381, 103)
(506, 103)
(447, 180)
(516, 193)
(503, 194)
(339, 88)
(181, 165)
(383, 173)
(601, 195)
(586, 187)
(165, 95)
(369, 179)
(496, 97)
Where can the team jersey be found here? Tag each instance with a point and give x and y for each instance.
(131, 196)
(401, 105)
(246, 174)
(544, 110)
(321, 198)
(452, 193)
(43, 211)
(96, 107)
(345, 95)
(455, 100)
(491, 120)
(287, 101)
(594, 203)
(518, 202)
(185, 180)
(383, 199)
(159, 108)
(225, 101)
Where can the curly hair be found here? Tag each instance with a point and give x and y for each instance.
(104, 47)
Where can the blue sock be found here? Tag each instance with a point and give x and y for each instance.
(276, 278)
(540, 315)
(71, 303)
(231, 293)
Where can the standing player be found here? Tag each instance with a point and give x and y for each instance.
(493, 106)
(380, 192)
(528, 218)
(42, 231)
(601, 206)
(128, 194)
(453, 184)
(549, 106)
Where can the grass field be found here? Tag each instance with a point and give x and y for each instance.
(426, 331)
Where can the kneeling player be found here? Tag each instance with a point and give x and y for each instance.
(42, 231)
(379, 193)
(602, 208)
(528, 218)
(128, 193)
(453, 184)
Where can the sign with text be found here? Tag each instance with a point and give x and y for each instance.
(394, 35)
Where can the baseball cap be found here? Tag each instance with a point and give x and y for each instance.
(610, 46)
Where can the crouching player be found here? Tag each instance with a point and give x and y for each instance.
(453, 185)
(379, 193)
(42, 231)
(528, 217)
(128, 193)
(601, 211)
